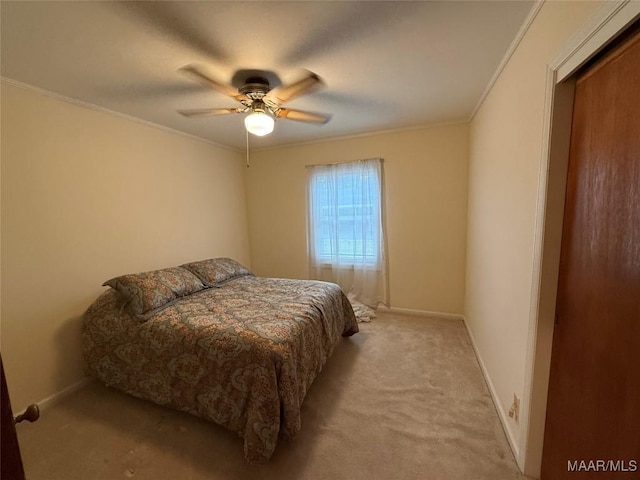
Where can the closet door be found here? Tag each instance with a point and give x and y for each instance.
(593, 410)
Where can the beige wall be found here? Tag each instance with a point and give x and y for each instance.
(505, 159)
(86, 196)
(426, 196)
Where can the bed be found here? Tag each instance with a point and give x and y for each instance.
(211, 339)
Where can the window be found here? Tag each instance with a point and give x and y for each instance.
(345, 218)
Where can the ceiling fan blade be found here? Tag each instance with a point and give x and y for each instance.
(197, 74)
(302, 116)
(173, 22)
(347, 26)
(199, 112)
(284, 93)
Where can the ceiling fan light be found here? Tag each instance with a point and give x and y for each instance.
(259, 123)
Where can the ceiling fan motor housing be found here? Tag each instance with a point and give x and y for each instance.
(255, 88)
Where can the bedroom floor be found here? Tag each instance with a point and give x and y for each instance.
(402, 399)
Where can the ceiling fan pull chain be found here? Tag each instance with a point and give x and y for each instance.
(247, 134)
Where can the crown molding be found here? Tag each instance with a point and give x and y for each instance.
(374, 133)
(533, 13)
(113, 113)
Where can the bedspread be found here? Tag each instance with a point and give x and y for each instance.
(242, 355)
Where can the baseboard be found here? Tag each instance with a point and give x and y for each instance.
(492, 391)
(420, 313)
(59, 396)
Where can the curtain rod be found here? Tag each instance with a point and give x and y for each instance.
(348, 161)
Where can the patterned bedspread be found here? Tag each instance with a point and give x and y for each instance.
(242, 355)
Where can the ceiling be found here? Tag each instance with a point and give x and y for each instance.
(386, 65)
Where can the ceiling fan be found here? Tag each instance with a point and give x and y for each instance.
(257, 97)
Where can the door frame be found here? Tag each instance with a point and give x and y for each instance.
(603, 27)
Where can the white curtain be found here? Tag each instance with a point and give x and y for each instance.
(345, 228)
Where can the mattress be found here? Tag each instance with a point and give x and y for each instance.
(242, 354)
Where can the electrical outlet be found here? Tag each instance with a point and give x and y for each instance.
(514, 412)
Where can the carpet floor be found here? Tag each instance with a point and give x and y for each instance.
(402, 399)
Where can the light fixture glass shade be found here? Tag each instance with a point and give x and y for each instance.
(259, 123)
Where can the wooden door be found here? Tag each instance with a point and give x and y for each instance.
(10, 451)
(593, 409)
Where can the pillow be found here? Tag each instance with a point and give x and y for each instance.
(215, 271)
(149, 292)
